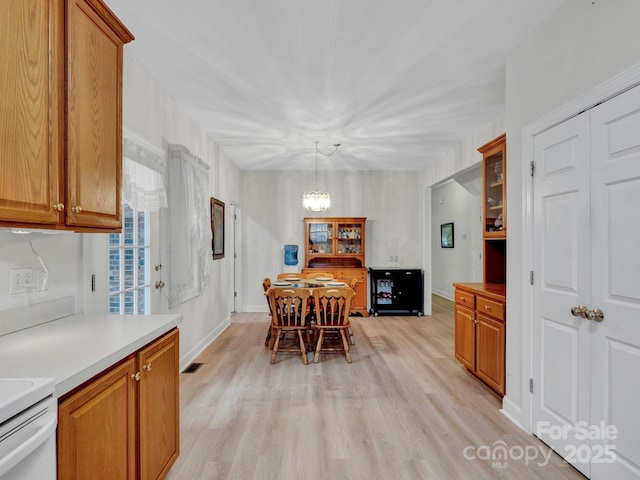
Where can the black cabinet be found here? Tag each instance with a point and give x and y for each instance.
(396, 291)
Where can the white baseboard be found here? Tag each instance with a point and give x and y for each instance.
(512, 411)
(442, 294)
(190, 356)
(256, 308)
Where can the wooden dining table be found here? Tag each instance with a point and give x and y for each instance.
(310, 283)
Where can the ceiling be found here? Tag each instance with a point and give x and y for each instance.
(396, 82)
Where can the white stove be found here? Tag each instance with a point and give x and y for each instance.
(28, 420)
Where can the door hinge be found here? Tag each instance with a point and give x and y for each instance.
(531, 385)
(533, 167)
(235, 294)
(531, 277)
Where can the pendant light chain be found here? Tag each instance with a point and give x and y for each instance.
(316, 200)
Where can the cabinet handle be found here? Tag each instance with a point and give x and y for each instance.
(462, 299)
(487, 307)
(147, 367)
(59, 207)
(135, 376)
(77, 209)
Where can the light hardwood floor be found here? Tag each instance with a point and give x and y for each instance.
(404, 409)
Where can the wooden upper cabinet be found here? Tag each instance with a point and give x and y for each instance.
(94, 114)
(334, 242)
(31, 123)
(494, 175)
(61, 80)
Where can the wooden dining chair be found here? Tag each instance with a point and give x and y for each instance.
(285, 276)
(332, 306)
(352, 284)
(289, 314)
(266, 284)
(319, 275)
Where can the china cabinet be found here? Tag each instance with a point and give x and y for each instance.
(124, 423)
(480, 308)
(337, 245)
(61, 123)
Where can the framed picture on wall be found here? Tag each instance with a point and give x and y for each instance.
(217, 228)
(446, 235)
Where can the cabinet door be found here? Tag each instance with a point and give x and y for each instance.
(350, 238)
(320, 238)
(490, 338)
(359, 301)
(94, 118)
(159, 404)
(31, 82)
(97, 428)
(465, 337)
(494, 211)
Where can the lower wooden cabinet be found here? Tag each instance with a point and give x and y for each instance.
(125, 423)
(480, 331)
(359, 302)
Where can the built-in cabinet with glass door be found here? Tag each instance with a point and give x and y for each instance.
(480, 307)
(337, 245)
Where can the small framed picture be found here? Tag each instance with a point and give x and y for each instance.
(446, 235)
(217, 228)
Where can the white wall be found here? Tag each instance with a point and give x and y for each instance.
(273, 216)
(153, 114)
(453, 203)
(581, 45)
(61, 255)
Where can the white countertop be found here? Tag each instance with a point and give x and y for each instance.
(72, 350)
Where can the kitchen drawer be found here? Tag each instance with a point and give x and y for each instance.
(465, 298)
(490, 307)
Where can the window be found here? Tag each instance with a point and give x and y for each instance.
(129, 276)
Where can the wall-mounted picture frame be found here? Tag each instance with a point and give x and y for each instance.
(446, 235)
(217, 228)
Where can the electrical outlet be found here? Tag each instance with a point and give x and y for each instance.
(21, 280)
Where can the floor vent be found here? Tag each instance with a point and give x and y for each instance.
(193, 368)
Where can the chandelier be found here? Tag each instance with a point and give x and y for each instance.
(317, 200)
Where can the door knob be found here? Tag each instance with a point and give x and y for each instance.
(159, 284)
(596, 315)
(580, 311)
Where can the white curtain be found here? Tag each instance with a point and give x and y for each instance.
(190, 221)
(142, 187)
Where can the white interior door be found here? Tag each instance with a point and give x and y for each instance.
(615, 284)
(561, 265)
(586, 368)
